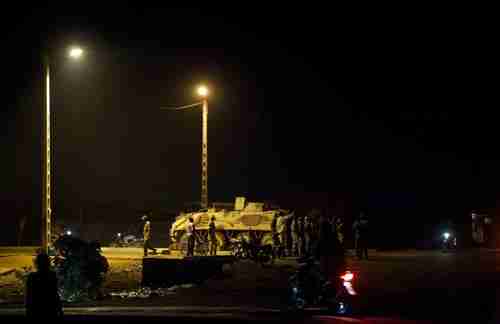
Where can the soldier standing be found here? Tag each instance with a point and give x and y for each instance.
(296, 236)
(147, 236)
(339, 229)
(360, 227)
(302, 236)
(190, 232)
(212, 236)
(307, 234)
(275, 235)
(282, 228)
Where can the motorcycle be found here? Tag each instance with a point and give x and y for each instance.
(308, 287)
(449, 242)
(243, 249)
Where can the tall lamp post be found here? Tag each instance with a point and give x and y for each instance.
(203, 93)
(74, 53)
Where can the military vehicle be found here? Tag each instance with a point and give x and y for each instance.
(245, 220)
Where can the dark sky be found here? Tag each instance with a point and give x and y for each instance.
(393, 107)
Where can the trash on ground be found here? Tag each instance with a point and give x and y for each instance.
(144, 292)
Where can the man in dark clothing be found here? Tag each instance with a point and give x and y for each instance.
(329, 251)
(212, 237)
(147, 236)
(360, 228)
(42, 298)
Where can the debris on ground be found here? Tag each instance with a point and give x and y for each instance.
(144, 292)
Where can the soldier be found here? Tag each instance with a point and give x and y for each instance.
(302, 236)
(282, 231)
(307, 234)
(190, 232)
(311, 231)
(329, 252)
(360, 228)
(147, 236)
(275, 235)
(213, 237)
(339, 229)
(296, 236)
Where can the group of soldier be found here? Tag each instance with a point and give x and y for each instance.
(293, 234)
(298, 235)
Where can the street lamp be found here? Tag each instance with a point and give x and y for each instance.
(202, 92)
(73, 53)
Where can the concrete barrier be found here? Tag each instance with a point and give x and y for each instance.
(165, 272)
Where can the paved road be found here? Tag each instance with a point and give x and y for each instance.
(412, 284)
(431, 284)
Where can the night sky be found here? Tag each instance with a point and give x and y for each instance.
(392, 110)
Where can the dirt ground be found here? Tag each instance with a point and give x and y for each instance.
(246, 283)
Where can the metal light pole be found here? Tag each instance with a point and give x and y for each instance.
(203, 92)
(204, 149)
(46, 187)
(74, 53)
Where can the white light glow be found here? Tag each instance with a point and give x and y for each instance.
(75, 52)
(202, 91)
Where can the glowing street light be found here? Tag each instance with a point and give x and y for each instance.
(202, 91)
(74, 53)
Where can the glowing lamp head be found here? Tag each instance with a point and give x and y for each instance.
(68, 233)
(202, 91)
(75, 52)
(446, 235)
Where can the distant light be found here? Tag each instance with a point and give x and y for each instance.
(68, 232)
(202, 91)
(119, 234)
(75, 52)
(446, 235)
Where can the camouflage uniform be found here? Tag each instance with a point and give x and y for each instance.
(212, 237)
(296, 236)
(282, 229)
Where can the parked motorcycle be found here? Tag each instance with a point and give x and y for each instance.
(243, 249)
(308, 287)
(449, 241)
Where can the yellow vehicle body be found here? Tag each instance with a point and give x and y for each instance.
(252, 220)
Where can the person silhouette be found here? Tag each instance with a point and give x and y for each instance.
(42, 298)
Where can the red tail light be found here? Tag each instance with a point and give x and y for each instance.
(347, 276)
